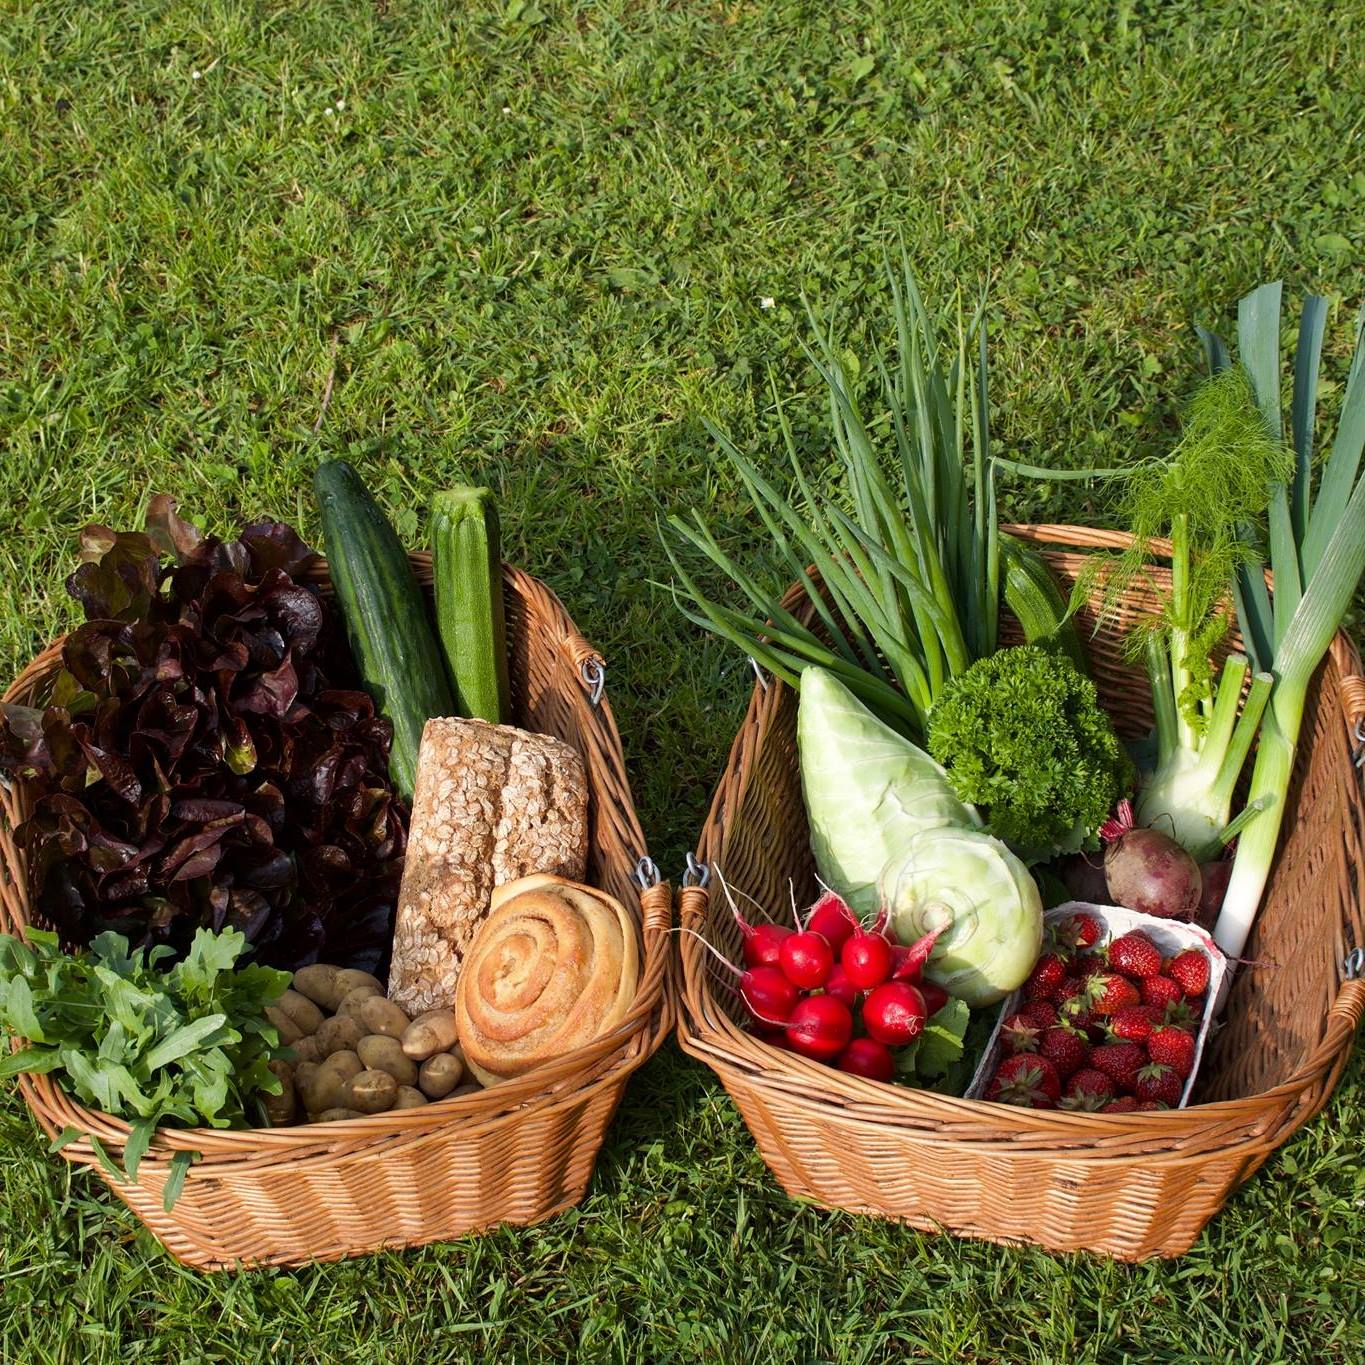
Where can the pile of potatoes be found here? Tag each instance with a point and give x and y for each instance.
(357, 1052)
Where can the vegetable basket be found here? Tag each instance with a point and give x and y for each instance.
(516, 1153)
(1125, 1185)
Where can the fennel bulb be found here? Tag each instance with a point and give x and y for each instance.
(867, 790)
(981, 898)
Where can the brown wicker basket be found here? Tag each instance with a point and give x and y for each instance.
(516, 1153)
(1126, 1185)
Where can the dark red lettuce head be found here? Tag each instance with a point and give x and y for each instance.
(207, 755)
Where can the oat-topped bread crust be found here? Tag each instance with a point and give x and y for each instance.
(492, 804)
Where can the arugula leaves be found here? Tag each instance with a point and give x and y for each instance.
(188, 1046)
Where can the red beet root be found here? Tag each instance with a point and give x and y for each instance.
(1148, 871)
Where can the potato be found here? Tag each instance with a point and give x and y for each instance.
(409, 1098)
(308, 1048)
(325, 1088)
(468, 1088)
(281, 1109)
(305, 1014)
(439, 1075)
(339, 1033)
(383, 1054)
(372, 1092)
(336, 1114)
(350, 1006)
(304, 1073)
(429, 1034)
(349, 979)
(383, 1016)
(319, 983)
(288, 1030)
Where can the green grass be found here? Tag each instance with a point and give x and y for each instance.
(538, 236)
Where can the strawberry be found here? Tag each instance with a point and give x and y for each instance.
(1160, 991)
(1088, 1089)
(1066, 1049)
(1134, 1023)
(1184, 1015)
(1029, 1082)
(1121, 1062)
(1019, 1034)
(1078, 931)
(1048, 973)
(1110, 992)
(1124, 1104)
(1135, 955)
(1172, 1047)
(1066, 988)
(1159, 1083)
(1091, 964)
(1150, 1106)
(1077, 1012)
(1040, 1013)
(1191, 970)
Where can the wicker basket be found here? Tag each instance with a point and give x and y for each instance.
(1126, 1185)
(516, 1153)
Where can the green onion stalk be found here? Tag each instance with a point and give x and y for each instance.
(1315, 548)
(902, 570)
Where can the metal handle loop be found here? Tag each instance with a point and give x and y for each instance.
(697, 872)
(1353, 964)
(647, 873)
(594, 675)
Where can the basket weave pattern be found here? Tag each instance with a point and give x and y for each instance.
(1130, 1186)
(516, 1153)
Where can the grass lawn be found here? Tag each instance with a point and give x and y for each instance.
(541, 238)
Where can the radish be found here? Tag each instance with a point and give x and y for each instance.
(831, 917)
(935, 997)
(867, 1057)
(820, 1027)
(763, 943)
(806, 959)
(841, 988)
(894, 1013)
(766, 991)
(1148, 871)
(909, 965)
(866, 959)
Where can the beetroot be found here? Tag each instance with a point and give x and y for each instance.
(1214, 878)
(1147, 871)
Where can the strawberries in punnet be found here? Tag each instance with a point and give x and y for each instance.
(1087, 1089)
(1066, 1049)
(1124, 1104)
(1135, 955)
(1134, 1023)
(1092, 964)
(1172, 1047)
(1027, 1081)
(1160, 991)
(1191, 970)
(1121, 1062)
(1048, 973)
(1040, 1013)
(1077, 1012)
(1078, 932)
(1159, 1083)
(1066, 988)
(1110, 993)
(1151, 1106)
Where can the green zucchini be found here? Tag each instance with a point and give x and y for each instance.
(467, 568)
(386, 619)
(1032, 595)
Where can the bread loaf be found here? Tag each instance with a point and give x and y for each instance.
(492, 804)
(554, 966)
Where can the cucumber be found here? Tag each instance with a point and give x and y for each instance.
(386, 619)
(467, 567)
(1032, 594)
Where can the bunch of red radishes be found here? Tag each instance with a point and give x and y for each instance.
(836, 990)
(1111, 1029)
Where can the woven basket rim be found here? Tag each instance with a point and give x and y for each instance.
(707, 1032)
(608, 1059)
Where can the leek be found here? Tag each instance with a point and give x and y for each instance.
(1315, 548)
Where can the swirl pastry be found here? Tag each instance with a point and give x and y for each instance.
(554, 966)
